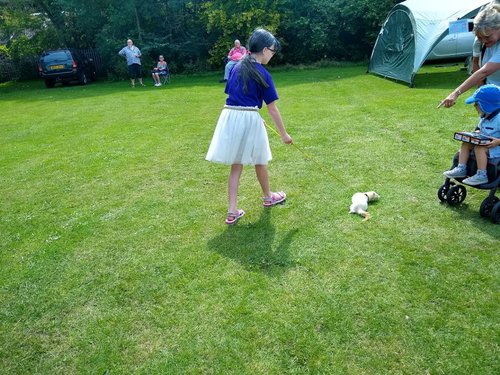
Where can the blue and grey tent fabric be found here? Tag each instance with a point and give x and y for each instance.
(410, 32)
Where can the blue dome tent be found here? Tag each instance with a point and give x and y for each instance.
(410, 32)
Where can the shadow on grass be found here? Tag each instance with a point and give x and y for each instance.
(252, 245)
(36, 90)
(440, 80)
(471, 213)
(435, 76)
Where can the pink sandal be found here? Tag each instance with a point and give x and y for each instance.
(232, 218)
(276, 198)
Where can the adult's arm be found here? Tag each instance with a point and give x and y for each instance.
(475, 64)
(475, 79)
(276, 117)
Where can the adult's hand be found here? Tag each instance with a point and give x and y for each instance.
(449, 101)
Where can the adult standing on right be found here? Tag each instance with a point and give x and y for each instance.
(487, 29)
(133, 56)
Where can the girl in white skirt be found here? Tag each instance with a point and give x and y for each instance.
(240, 137)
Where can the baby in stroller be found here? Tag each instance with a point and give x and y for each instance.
(486, 100)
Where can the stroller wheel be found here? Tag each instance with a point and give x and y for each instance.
(443, 191)
(495, 213)
(487, 206)
(456, 195)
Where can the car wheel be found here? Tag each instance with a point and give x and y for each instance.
(49, 83)
(83, 79)
(487, 206)
(456, 195)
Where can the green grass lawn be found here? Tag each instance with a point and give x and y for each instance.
(114, 254)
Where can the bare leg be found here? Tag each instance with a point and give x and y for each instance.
(132, 82)
(481, 153)
(463, 157)
(140, 81)
(263, 177)
(234, 182)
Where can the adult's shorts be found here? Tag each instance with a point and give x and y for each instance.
(135, 71)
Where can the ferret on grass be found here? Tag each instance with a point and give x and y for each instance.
(360, 203)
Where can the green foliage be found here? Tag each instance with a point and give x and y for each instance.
(27, 33)
(194, 35)
(236, 20)
(339, 29)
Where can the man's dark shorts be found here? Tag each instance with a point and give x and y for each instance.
(135, 71)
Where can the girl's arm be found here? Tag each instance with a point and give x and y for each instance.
(276, 117)
(475, 79)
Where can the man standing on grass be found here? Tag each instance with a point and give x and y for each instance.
(133, 56)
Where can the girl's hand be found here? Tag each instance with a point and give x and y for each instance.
(286, 139)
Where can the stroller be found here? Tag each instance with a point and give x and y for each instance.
(455, 194)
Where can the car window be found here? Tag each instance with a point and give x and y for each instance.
(56, 56)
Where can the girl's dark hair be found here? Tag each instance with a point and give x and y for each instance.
(259, 39)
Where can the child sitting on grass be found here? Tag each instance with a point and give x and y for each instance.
(486, 100)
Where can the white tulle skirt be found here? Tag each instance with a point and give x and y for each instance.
(240, 137)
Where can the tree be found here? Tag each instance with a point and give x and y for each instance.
(236, 20)
(194, 35)
(334, 29)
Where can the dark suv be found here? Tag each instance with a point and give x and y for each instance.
(65, 65)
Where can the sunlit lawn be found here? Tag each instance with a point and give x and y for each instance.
(114, 254)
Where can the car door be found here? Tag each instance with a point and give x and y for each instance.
(465, 41)
(445, 49)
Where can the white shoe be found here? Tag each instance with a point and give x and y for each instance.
(477, 179)
(157, 84)
(456, 172)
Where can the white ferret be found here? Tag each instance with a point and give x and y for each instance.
(360, 203)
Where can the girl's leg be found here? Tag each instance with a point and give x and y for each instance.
(263, 177)
(234, 182)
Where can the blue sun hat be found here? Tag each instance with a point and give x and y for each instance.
(488, 98)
